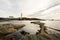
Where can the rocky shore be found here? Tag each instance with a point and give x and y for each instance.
(42, 27)
(6, 29)
(9, 32)
(10, 28)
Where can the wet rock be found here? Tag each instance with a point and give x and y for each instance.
(24, 32)
(42, 28)
(16, 35)
(39, 23)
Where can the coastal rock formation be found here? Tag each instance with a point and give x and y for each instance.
(17, 26)
(9, 28)
(42, 27)
(16, 35)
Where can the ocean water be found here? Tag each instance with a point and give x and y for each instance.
(32, 28)
(52, 24)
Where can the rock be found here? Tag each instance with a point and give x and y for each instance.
(39, 23)
(42, 27)
(9, 28)
(16, 26)
(17, 35)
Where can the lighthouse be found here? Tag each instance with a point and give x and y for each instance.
(21, 16)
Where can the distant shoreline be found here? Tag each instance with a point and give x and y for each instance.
(24, 18)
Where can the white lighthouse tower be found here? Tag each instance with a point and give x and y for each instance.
(21, 15)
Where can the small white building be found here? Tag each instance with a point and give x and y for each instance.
(11, 17)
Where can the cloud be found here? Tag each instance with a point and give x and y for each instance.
(7, 8)
(50, 12)
(27, 7)
(53, 13)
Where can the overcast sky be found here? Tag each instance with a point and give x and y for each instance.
(26, 7)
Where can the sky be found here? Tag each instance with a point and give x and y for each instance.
(52, 11)
(30, 8)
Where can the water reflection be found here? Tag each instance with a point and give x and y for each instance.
(32, 28)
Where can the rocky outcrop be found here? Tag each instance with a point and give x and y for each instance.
(9, 28)
(39, 23)
(42, 27)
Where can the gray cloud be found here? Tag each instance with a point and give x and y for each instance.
(27, 7)
(51, 9)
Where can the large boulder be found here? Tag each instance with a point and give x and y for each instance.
(9, 28)
(17, 26)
